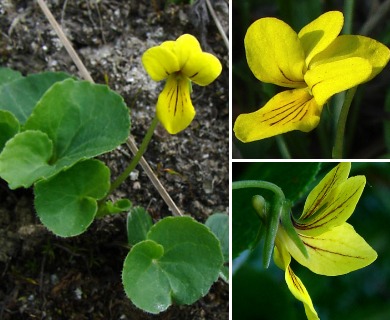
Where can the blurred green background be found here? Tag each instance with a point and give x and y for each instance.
(262, 294)
(368, 127)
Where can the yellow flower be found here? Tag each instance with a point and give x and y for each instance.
(333, 246)
(316, 63)
(180, 62)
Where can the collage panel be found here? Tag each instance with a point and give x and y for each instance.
(310, 79)
(114, 159)
(310, 238)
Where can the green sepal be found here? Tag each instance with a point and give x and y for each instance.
(271, 229)
(287, 224)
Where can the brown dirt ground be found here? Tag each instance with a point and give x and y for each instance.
(46, 277)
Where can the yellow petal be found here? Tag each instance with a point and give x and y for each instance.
(287, 111)
(335, 209)
(327, 79)
(174, 107)
(274, 53)
(331, 202)
(317, 197)
(338, 251)
(282, 258)
(159, 62)
(202, 68)
(348, 46)
(299, 292)
(186, 46)
(320, 33)
(170, 45)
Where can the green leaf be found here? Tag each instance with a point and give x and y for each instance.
(139, 223)
(8, 75)
(9, 126)
(25, 158)
(178, 263)
(81, 120)
(21, 95)
(114, 207)
(224, 273)
(294, 179)
(67, 203)
(219, 225)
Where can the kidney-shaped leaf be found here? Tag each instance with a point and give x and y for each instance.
(9, 126)
(178, 262)
(21, 95)
(82, 119)
(67, 203)
(8, 75)
(139, 223)
(25, 158)
(219, 225)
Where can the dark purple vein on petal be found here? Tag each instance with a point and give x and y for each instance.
(316, 224)
(321, 250)
(289, 81)
(177, 97)
(295, 108)
(170, 96)
(295, 281)
(182, 99)
(321, 195)
(194, 75)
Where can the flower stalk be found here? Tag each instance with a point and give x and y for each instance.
(337, 152)
(144, 145)
(279, 211)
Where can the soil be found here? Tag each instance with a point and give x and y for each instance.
(43, 276)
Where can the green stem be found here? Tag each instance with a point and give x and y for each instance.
(283, 147)
(280, 214)
(348, 16)
(122, 177)
(272, 222)
(244, 184)
(340, 132)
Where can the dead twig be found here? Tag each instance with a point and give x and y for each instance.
(218, 24)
